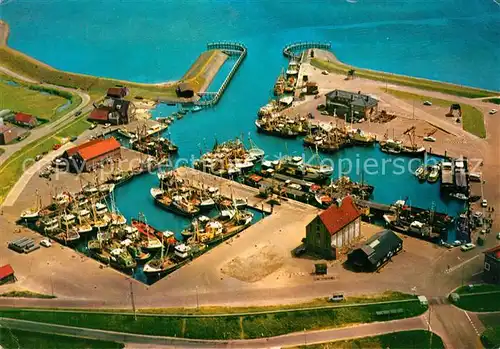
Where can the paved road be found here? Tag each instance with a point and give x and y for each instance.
(47, 129)
(293, 339)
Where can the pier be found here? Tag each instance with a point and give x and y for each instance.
(208, 99)
(290, 50)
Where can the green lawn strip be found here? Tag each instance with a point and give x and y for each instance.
(2, 150)
(472, 118)
(416, 339)
(13, 168)
(14, 339)
(96, 87)
(74, 129)
(477, 289)
(479, 302)
(464, 91)
(491, 337)
(222, 327)
(493, 100)
(40, 101)
(25, 294)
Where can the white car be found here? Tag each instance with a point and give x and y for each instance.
(484, 203)
(467, 247)
(498, 236)
(428, 103)
(493, 111)
(107, 125)
(45, 243)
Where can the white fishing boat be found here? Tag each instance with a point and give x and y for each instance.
(155, 192)
(182, 251)
(68, 219)
(30, 214)
(434, 174)
(100, 209)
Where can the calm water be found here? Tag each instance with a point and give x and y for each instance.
(155, 41)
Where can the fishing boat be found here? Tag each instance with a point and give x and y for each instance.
(391, 146)
(148, 234)
(196, 108)
(176, 203)
(196, 225)
(100, 209)
(434, 174)
(360, 138)
(279, 130)
(32, 214)
(422, 172)
(254, 152)
(138, 254)
(68, 237)
(120, 177)
(50, 225)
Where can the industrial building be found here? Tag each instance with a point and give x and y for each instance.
(334, 228)
(376, 251)
(112, 111)
(357, 105)
(90, 155)
(491, 272)
(7, 274)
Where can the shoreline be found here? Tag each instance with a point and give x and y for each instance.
(4, 33)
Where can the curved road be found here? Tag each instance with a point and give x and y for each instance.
(47, 129)
(292, 339)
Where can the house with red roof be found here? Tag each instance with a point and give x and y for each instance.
(90, 155)
(491, 272)
(336, 227)
(117, 92)
(7, 274)
(23, 119)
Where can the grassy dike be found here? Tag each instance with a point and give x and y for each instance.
(223, 326)
(472, 118)
(14, 339)
(417, 339)
(96, 87)
(423, 84)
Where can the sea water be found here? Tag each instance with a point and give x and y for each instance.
(153, 41)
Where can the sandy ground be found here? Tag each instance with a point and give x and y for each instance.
(4, 33)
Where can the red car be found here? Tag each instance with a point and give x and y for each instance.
(56, 146)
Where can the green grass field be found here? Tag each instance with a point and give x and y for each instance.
(464, 91)
(95, 86)
(15, 339)
(472, 118)
(494, 100)
(13, 168)
(417, 339)
(491, 336)
(235, 326)
(480, 298)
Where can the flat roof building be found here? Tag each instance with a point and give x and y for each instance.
(491, 272)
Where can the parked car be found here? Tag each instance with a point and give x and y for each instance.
(324, 72)
(324, 112)
(484, 203)
(38, 157)
(78, 113)
(72, 139)
(498, 236)
(428, 103)
(92, 126)
(493, 111)
(457, 243)
(107, 125)
(467, 247)
(45, 243)
(56, 146)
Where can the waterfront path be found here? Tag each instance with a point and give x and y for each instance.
(42, 131)
(292, 339)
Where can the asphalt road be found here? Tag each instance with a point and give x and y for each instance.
(47, 129)
(293, 339)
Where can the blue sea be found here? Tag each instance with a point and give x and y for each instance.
(156, 41)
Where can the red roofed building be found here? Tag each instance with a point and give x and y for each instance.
(25, 120)
(100, 114)
(7, 274)
(491, 273)
(90, 155)
(334, 228)
(117, 92)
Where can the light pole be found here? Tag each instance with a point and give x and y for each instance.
(132, 299)
(197, 299)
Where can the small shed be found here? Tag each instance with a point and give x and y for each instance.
(185, 90)
(7, 274)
